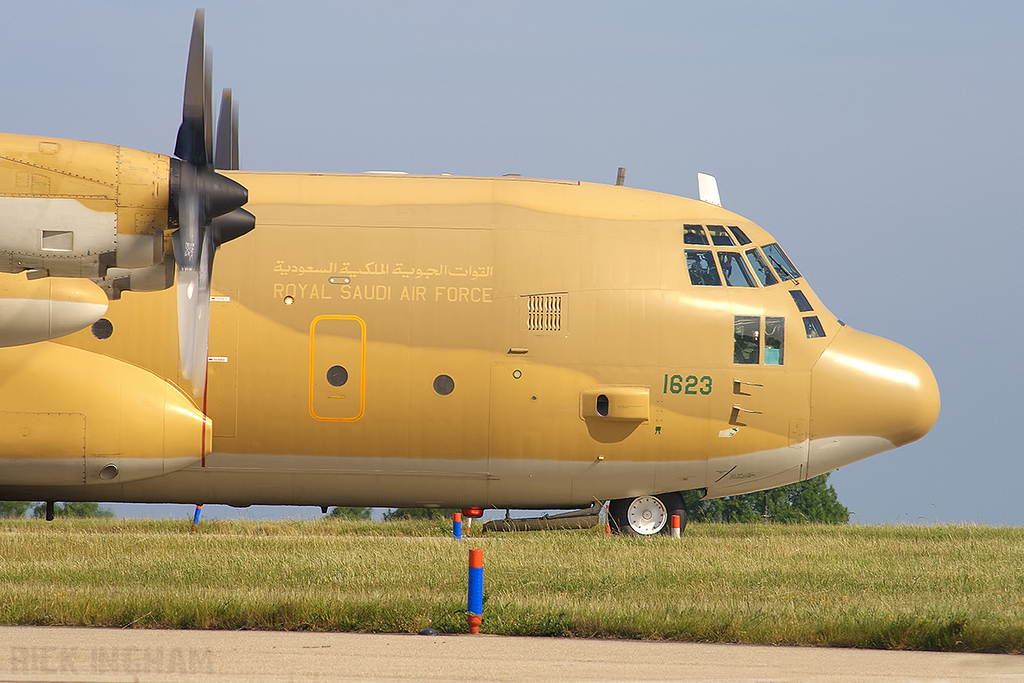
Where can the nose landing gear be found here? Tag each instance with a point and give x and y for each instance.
(647, 515)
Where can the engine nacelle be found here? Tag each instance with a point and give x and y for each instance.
(76, 209)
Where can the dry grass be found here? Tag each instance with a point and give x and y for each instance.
(937, 587)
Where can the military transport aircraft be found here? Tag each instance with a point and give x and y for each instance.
(384, 339)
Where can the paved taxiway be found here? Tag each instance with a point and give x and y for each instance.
(84, 654)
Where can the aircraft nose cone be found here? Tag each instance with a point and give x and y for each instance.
(868, 395)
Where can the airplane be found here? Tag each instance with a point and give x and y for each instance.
(393, 340)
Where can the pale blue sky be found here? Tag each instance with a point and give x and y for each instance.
(880, 142)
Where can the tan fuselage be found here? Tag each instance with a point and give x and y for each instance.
(504, 342)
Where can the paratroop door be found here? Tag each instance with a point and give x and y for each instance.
(337, 368)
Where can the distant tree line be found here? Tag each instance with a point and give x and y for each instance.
(813, 500)
(418, 513)
(12, 509)
(350, 513)
(391, 515)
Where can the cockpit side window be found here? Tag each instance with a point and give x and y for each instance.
(701, 265)
(780, 262)
(746, 339)
(813, 328)
(734, 270)
(802, 304)
(761, 269)
(694, 234)
(719, 236)
(741, 236)
(774, 340)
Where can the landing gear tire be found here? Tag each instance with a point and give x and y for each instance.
(647, 515)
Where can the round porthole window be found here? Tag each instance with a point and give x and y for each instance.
(102, 329)
(444, 385)
(337, 376)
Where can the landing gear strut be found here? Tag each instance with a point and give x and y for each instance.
(647, 515)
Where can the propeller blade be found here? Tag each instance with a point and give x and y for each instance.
(188, 294)
(191, 144)
(208, 106)
(226, 156)
(187, 245)
(201, 330)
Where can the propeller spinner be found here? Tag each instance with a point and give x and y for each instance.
(205, 204)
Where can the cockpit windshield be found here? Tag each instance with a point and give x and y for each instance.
(735, 271)
(701, 265)
(713, 266)
(720, 237)
(741, 236)
(780, 262)
(694, 234)
(761, 269)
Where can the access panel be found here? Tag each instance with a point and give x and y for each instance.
(42, 448)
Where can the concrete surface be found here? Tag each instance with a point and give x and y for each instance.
(99, 654)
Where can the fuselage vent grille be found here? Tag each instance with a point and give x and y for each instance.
(544, 312)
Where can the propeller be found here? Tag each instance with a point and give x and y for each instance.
(226, 156)
(205, 205)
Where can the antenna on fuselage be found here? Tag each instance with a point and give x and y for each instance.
(620, 180)
(707, 189)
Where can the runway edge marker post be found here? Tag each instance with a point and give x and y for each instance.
(676, 532)
(457, 526)
(475, 600)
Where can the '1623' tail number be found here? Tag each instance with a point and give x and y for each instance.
(674, 384)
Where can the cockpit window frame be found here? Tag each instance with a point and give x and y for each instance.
(760, 266)
(774, 340)
(720, 237)
(769, 263)
(693, 233)
(800, 299)
(756, 345)
(783, 267)
(813, 328)
(746, 333)
(706, 277)
(741, 237)
(734, 277)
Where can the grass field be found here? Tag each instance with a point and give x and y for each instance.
(958, 588)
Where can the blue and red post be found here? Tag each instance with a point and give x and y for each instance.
(457, 526)
(475, 602)
(195, 519)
